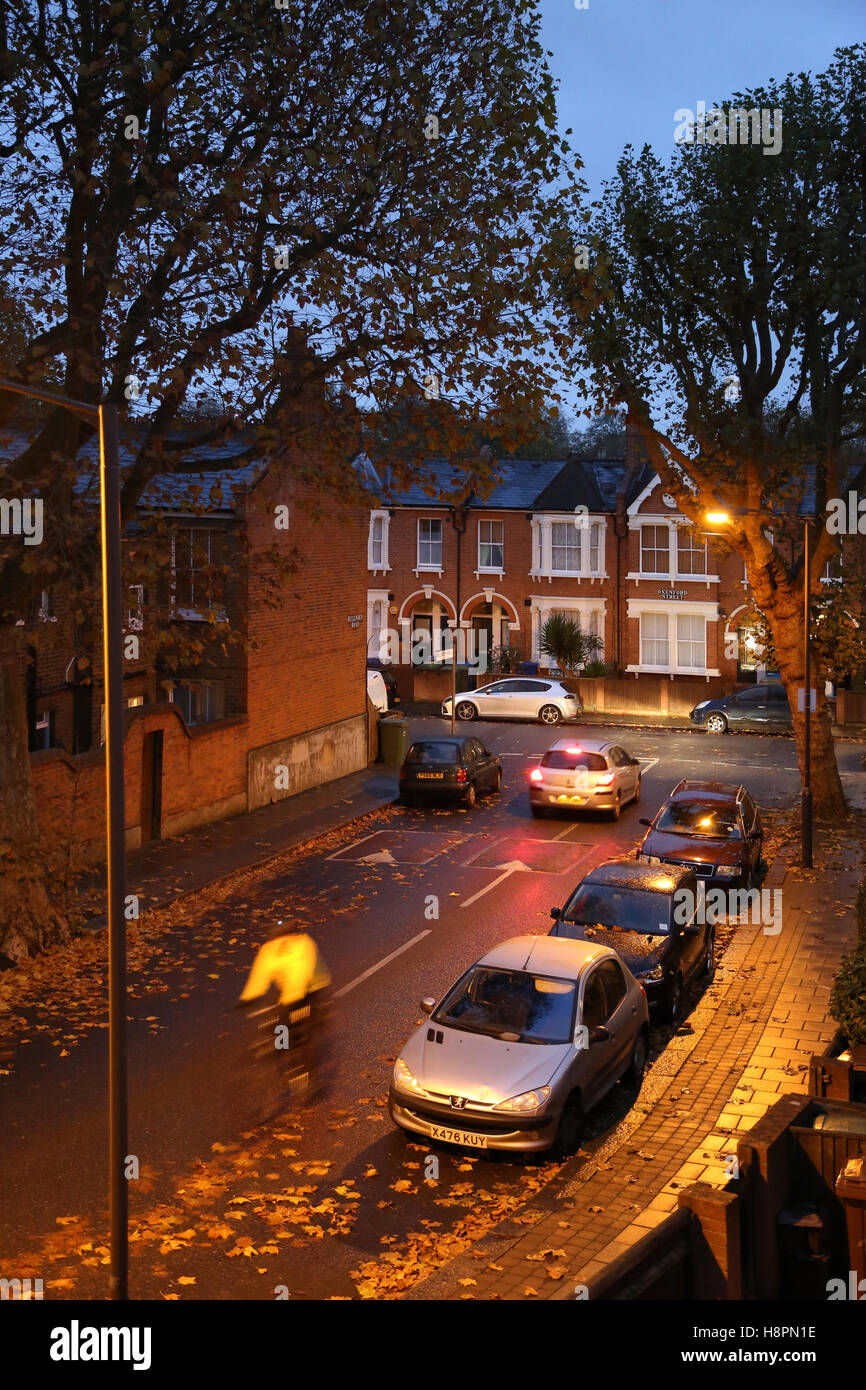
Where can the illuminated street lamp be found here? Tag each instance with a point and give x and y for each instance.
(722, 518)
(105, 417)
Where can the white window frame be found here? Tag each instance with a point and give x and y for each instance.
(655, 573)
(135, 610)
(591, 613)
(376, 599)
(429, 567)
(586, 527)
(637, 608)
(573, 541)
(382, 565)
(490, 523)
(694, 545)
(194, 615)
(671, 574)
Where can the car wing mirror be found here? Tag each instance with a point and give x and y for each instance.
(598, 1035)
(556, 913)
(644, 820)
(428, 1005)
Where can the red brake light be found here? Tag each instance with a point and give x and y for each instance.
(461, 774)
(536, 775)
(575, 751)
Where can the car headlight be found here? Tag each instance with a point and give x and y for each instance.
(657, 973)
(405, 1081)
(728, 870)
(529, 1100)
(703, 704)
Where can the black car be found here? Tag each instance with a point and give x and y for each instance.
(713, 828)
(760, 709)
(454, 768)
(374, 664)
(651, 919)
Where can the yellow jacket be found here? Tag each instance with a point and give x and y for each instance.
(292, 963)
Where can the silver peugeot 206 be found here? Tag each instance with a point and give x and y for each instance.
(526, 1042)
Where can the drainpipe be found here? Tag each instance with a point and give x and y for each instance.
(459, 527)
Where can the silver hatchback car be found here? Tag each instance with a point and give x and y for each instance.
(587, 774)
(518, 697)
(520, 1049)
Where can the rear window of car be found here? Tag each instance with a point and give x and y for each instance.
(433, 753)
(702, 819)
(630, 909)
(559, 758)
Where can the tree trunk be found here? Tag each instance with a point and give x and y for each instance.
(828, 799)
(28, 921)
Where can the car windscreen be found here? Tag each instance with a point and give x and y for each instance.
(705, 820)
(630, 909)
(572, 758)
(535, 1008)
(433, 753)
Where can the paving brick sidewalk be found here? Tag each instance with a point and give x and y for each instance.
(751, 1038)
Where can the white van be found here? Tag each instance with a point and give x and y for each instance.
(377, 691)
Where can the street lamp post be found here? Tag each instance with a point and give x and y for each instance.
(721, 518)
(105, 417)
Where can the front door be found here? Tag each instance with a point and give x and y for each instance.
(151, 787)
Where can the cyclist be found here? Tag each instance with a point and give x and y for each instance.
(290, 960)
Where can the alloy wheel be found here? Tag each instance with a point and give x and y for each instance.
(716, 724)
(466, 711)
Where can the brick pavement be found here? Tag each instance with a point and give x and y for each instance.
(751, 1038)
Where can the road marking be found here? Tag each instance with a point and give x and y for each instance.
(355, 843)
(480, 894)
(645, 767)
(384, 961)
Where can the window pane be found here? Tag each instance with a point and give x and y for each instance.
(654, 549)
(594, 536)
(565, 548)
(691, 642)
(430, 543)
(654, 639)
(490, 545)
(691, 553)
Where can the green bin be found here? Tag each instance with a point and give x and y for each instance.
(393, 740)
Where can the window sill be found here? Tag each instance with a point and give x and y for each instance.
(675, 671)
(493, 574)
(428, 569)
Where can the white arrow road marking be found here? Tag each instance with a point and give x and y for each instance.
(343, 849)
(382, 856)
(384, 961)
(510, 869)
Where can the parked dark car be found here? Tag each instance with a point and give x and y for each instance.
(761, 708)
(454, 768)
(374, 664)
(652, 921)
(711, 827)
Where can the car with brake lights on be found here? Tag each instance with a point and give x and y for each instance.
(713, 828)
(455, 769)
(651, 917)
(518, 1051)
(519, 697)
(589, 775)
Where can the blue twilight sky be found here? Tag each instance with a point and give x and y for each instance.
(625, 66)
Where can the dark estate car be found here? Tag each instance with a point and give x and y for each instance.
(651, 918)
(711, 827)
(456, 768)
(761, 708)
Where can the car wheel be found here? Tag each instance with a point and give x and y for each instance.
(569, 1131)
(466, 711)
(496, 784)
(550, 714)
(538, 811)
(639, 1055)
(675, 999)
(471, 795)
(709, 967)
(636, 797)
(717, 724)
(616, 809)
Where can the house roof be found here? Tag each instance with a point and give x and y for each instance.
(516, 484)
(202, 484)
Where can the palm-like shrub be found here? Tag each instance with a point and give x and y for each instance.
(569, 647)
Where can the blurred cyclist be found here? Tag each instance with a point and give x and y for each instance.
(290, 960)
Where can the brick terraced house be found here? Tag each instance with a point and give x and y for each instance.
(241, 714)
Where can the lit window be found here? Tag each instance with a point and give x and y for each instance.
(654, 640)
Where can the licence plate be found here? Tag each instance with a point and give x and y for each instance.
(440, 775)
(459, 1136)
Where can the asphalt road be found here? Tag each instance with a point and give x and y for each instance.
(400, 905)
